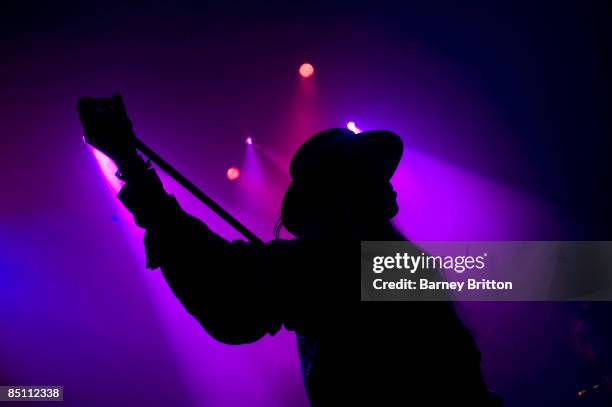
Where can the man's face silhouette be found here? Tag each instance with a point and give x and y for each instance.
(349, 210)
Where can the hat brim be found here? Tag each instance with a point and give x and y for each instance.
(379, 152)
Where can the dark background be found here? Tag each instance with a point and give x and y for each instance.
(545, 64)
(506, 96)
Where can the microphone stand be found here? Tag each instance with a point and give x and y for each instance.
(197, 192)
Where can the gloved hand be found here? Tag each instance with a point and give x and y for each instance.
(108, 128)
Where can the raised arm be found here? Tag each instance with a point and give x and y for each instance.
(229, 287)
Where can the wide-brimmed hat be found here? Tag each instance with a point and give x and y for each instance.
(333, 157)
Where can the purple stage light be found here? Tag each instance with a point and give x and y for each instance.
(233, 173)
(249, 141)
(353, 127)
(306, 70)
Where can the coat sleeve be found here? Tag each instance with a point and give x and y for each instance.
(231, 288)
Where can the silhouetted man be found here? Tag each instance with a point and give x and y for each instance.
(352, 353)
